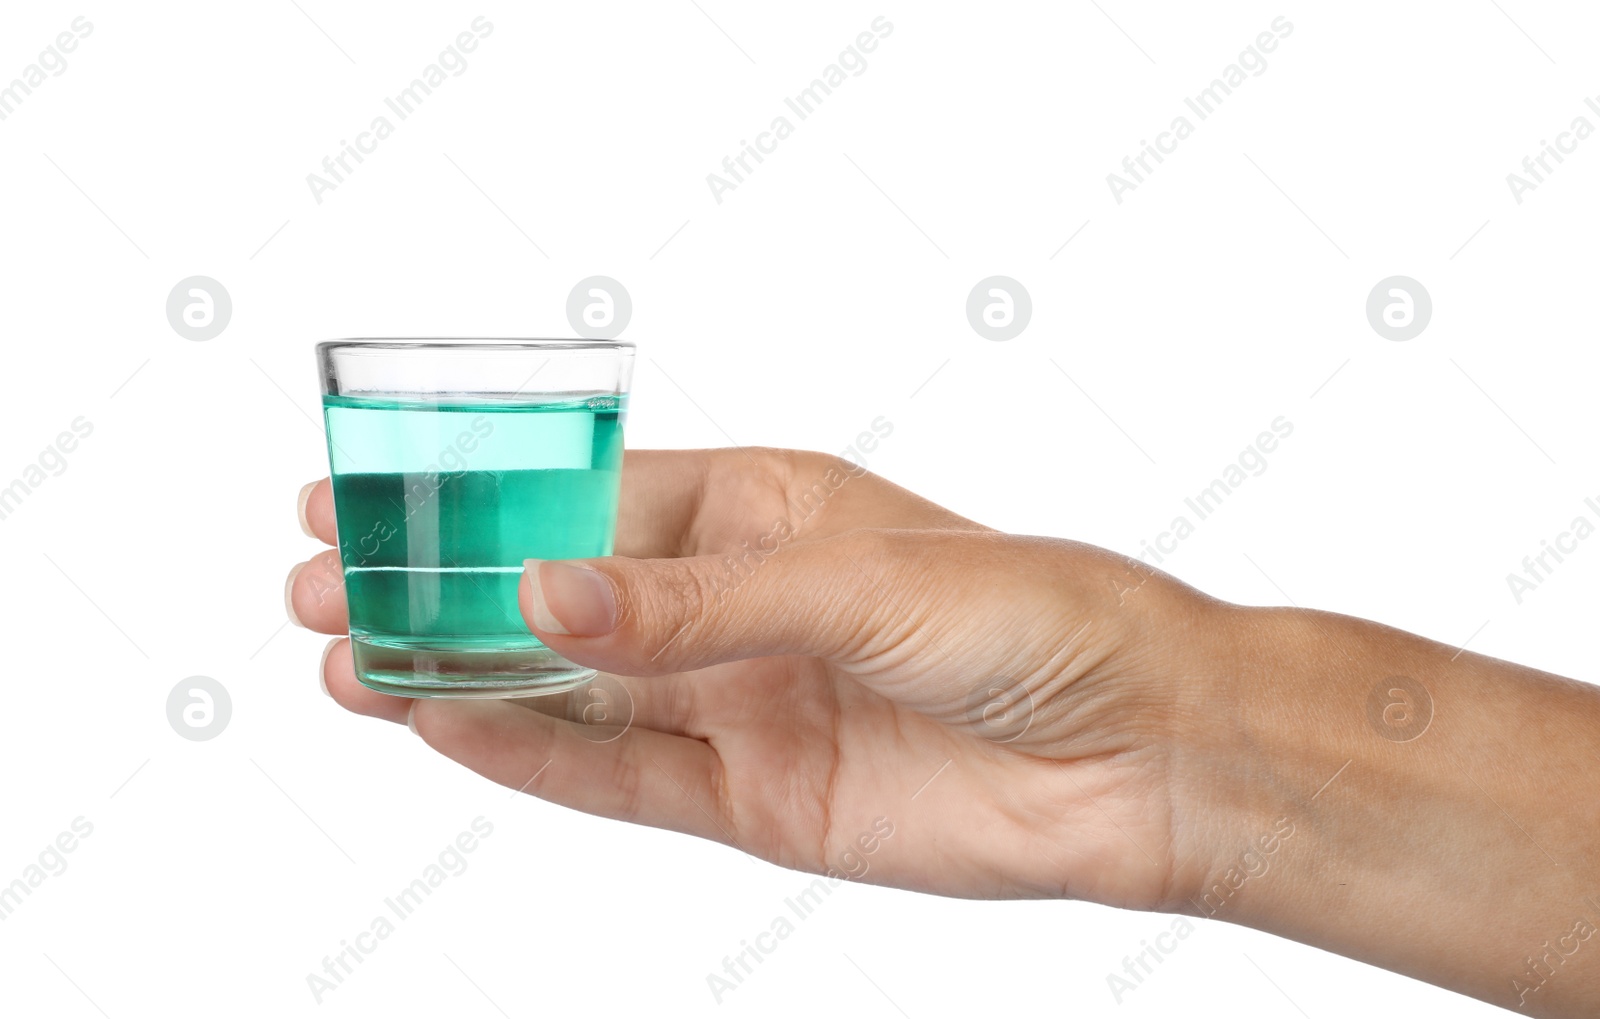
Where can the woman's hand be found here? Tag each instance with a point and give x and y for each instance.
(805, 661)
(812, 656)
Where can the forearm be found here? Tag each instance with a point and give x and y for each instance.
(1454, 848)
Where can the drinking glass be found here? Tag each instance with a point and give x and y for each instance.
(453, 461)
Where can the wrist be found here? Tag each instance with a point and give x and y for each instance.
(1399, 801)
(1261, 741)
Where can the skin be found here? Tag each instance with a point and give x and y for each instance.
(1038, 718)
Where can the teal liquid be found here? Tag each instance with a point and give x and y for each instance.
(438, 504)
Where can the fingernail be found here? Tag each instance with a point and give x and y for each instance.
(322, 666)
(570, 599)
(288, 594)
(411, 718)
(305, 497)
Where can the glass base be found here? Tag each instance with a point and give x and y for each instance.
(440, 667)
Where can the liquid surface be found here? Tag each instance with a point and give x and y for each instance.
(437, 507)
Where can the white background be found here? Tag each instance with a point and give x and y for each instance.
(827, 290)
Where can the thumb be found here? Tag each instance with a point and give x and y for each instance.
(846, 598)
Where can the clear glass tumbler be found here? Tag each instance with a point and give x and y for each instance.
(453, 461)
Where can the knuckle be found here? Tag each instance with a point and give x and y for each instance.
(832, 467)
(677, 593)
(808, 463)
(812, 481)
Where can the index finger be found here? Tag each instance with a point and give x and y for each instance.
(689, 502)
(694, 502)
(316, 512)
(661, 494)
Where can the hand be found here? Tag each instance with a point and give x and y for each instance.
(989, 697)
(833, 674)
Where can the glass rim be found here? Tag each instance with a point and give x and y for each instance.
(357, 345)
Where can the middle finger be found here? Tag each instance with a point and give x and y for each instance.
(314, 595)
